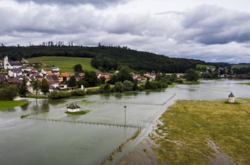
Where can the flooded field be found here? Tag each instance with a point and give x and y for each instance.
(49, 136)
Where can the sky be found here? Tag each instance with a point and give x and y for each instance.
(210, 30)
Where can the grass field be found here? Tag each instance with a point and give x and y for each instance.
(65, 64)
(189, 126)
(204, 66)
(240, 66)
(4, 105)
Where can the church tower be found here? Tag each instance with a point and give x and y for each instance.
(6, 62)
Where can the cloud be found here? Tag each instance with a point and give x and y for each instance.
(215, 25)
(209, 33)
(96, 3)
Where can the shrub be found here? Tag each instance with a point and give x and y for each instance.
(118, 87)
(78, 92)
(128, 85)
(59, 95)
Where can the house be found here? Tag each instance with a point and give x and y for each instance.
(11, 64)
(2, 78)
(52, 78)
(1, 65)
(106, 75)
(139, 78)
(73, 108)
(63, 86)
(18, 80)
(15, 72)
(66, 76)
(231, 98)
(55, 70)
(45, 71)
(151, 76)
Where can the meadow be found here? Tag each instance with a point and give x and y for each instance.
(188, 127)
(4, 105)
(240, 66)
(204, 66)
(65, 64)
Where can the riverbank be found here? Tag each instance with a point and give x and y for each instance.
(11, 104)
(199, 132)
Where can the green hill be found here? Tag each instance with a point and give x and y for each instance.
(65, 64)
(136, 60)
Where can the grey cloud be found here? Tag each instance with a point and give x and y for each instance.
(97, 3)
(205, 32)
(215, 25)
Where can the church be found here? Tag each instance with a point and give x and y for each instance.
(11, 64)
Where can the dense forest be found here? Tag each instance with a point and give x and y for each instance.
(104, 57)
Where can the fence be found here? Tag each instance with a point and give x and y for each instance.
(81, 122)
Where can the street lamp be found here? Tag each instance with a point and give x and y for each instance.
(125, 114)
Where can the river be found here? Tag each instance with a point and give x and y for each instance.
(49, 136)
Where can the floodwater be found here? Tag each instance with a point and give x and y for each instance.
(49, 136)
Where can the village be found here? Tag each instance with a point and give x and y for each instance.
(13, 72)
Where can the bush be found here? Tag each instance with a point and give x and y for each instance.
(59, 95)
(8, 93)
(118, 87)
(78, 92)
(128, 85)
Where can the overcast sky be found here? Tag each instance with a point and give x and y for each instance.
(210, 30)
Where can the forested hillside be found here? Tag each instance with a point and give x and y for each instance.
(136, 60)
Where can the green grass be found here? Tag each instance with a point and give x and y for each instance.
(240, 66)
(189, 125)
(204, 66)
(78, 113)
(65, 64)
(4, 105)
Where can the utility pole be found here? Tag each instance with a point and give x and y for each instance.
(125, 115)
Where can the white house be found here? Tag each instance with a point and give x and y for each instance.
(55, 70)
(73, 108)
(231, 98)
(11, 64)
(15, 72)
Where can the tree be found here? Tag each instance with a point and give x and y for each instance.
(124, 74)
(82, 82)
(36, 86)
(78, 68)
(23, 88)
(118, 87)
(91, 78)
(147, 85)
(103, 79)
(135, 86)
(113, 79)
(45, 86)
(72, 82)
(192, 75)
(158, 77)
(106, 88)
(8, 93)
(128, 85)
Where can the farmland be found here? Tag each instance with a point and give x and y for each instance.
(204, 66)
(200, 132)
(65, 64)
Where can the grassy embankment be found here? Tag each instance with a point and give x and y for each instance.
(188, 126)
(65, 64)
(204, 66)
(4, 105)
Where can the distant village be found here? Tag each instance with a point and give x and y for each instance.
(16, 71)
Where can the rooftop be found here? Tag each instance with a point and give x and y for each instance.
(73, 106)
